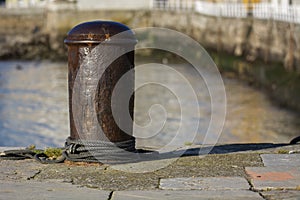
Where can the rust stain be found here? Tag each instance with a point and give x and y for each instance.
(107, 36)
(86, 164)
(271, 176)
(90, 36)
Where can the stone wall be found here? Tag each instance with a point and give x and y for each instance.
(113, 5)
(21, 34)
(270, 41)
(39, 34)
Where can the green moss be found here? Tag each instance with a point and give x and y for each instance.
(283, 86)
(225, 62)
(188, 143)
(31, 147)
(38, 151)
(157, 55)
(53, 152)
(282, 151)
(50, 152)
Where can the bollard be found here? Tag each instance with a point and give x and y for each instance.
(94, 134)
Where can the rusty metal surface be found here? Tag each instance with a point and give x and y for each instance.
(84, 53)
(97, 32)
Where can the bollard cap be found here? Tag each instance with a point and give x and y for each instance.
(96, 32)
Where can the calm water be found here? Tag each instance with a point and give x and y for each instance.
(34, 109)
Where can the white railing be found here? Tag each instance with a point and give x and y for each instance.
(179, 5)
(221, 9)
(289, 13)
(263, 10)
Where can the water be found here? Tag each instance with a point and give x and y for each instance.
(251, 116)
(33, 104)
(34, 108)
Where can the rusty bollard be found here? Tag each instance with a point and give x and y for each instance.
(97, 59)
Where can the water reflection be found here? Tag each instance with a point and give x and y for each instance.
(251, 117)
(33, 104)
(184, 97)
(34, 110)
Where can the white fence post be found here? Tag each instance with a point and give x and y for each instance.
(287, 13)
(263, 10)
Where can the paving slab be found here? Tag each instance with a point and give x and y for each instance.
(29, 190)
(19, 170)
(145, 166)
(281, 194)
(190, 195)
(280, 177)
(291, 160)
(209, 183)
(2, 149)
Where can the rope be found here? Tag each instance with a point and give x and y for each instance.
(100, 151)
(17, 154)
(83, 151)
(29, 154)
(90, 151)
(295, 140)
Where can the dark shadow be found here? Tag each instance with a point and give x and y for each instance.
(232, 148)
(217, 149)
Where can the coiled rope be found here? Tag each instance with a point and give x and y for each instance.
(100, 151)
(295, 140)
(83, 151)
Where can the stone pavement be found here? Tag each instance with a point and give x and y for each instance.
(280, 175)
(247, 172)
(47, 190)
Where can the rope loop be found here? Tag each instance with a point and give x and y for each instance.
(100, 151)
(88, 151)
(295, 140)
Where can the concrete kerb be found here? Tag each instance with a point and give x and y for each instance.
(190, 176)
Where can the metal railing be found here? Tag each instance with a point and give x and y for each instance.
(264, 10)
(288, 13)
(221, 9)
(177, 5)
